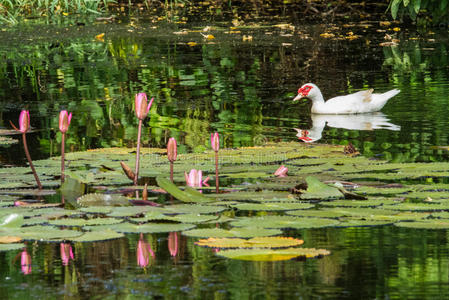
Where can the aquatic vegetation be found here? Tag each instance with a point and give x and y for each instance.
(215, 144)
(64, 122)
(24, 125)
(142, 108)
(256, 242)
(257, 254)
(172, 152)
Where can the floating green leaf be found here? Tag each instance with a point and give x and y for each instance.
(318, 190)
(244, 232)
(96, 199)
(10, 247)
(79, 222)
(272, 254)
(283, 222)
(99, 235)
(425, 224)
(256, 242)
(190, 196)
(273, 206)
(143, 228)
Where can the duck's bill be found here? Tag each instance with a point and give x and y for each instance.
(298, 97)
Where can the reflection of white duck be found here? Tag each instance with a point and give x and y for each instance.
(351, 122)
(360, 102)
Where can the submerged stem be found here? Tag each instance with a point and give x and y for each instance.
(27, 153)
(139, 134)
(62, 157)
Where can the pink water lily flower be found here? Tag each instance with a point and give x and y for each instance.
(281, 171)
(25, 262)
(215, 141)
(64, 120)
(142, 105)
(195, 178)
(172, 149)
(66, 253)
(24, 121)
(144, 252)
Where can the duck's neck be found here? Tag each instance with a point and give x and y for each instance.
(317, 101)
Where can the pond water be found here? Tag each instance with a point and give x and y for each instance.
(241, 84)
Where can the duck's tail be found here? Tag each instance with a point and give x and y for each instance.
(390, 94)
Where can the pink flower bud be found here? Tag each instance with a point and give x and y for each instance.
(281, 171)
(142, 105)
(172, 150)
(215, 141)
(24, 121)
(64, 120)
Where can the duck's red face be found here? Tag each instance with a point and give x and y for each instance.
(305, 90)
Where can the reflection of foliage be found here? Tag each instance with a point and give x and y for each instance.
(437, 9)
(11, 11)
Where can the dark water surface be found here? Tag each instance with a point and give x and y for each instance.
(241, 87)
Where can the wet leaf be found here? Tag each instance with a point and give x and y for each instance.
(272, 206)
(283, 222)
(318, 190)
(96, 236)
(272, 254)
(256, 242)
(244, 232)
(9, 247)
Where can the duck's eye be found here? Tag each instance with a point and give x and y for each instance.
(305, 90)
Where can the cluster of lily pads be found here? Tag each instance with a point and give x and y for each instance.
(324, 188)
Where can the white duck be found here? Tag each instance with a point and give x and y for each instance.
(360, 102)
(371, 121)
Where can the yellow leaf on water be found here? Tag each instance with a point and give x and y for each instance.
(9, 239)
(65, 14)
(192, 44)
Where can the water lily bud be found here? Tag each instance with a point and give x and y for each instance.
(24, 121)
(215, 141)
(172, 150)
(64, 120)
(281, 171)
(142, 105)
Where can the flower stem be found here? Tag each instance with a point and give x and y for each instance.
(171, 171)
(27, 153)
(216, 173)
(139, 134)
(62, 157)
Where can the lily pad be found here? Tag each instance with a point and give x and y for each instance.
(425, 224)
(98, 235)
(190, 196)
(79, 222)
(272, 254)
(244, 232)
(363, 223)
(318, 190)
(9, 247)
(10, 239)
(284, 222)
(143, 228)
(272, 206)
(128, 211)
(256, 242)
(192, 209)
(96, 199)
(42, 233)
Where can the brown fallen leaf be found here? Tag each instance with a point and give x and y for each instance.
(10, 239)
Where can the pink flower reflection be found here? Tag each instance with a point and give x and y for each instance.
(195, 178)
(25, 262)
(144, 252)
(173, 243)
(66, 253)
